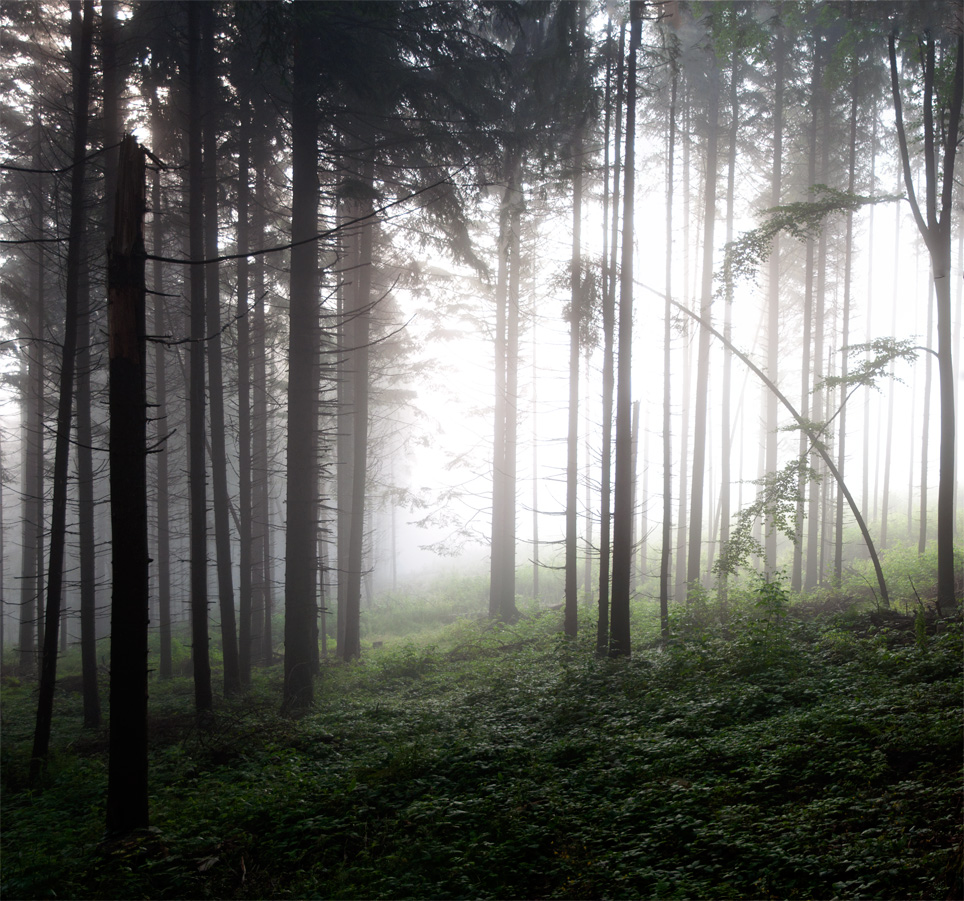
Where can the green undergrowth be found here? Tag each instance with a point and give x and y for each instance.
(776, 758)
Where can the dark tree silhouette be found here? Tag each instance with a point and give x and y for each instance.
(934, 224)
(300, 544)
(203, 698)
(127, 806)
(620, 643)
(81, 49)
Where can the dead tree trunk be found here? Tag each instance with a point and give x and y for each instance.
(127, 769)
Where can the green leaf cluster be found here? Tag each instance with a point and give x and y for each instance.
(801, 219)
(776, 503)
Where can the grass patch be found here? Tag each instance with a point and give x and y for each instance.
(773, 758)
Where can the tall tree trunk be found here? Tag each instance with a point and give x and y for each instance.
(261, 599)
(245, 645)
(197, 480)
(33, 432)
(694, 551)
(796, 578)
(85, 509)
(85, 468)
(497, 563)
(957, 360)
(3, 594)
(302, 470)
(82, 30)
(323, 570)
(572, 443)
(825, 520)
(682, 519)
(773, 286)
(726, 415)
(667, 533)
(912, 470)
(587, 575)
(889, 440)
(535, 455)
(870, 299)
(925, 427)
(359, 357)
(212, 296)
(163, 562)
(608, 377)
(502, 567)
(643, 504)
(620, 644)
(936, 231)
(845, 338)
(814, 573)
(507, 609)
(684, 441)
(345, 393)
(127, 804)
(633, 492)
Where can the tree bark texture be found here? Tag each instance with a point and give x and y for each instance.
(571, 623)
(163, 499)
(845, 339)
(934, 224)
(608, 374)
(813, 574)
(212, 299)
(81, 47)
(773, 301)
(245, 644)
(507, 610)
(261, 601)
(301, 466)
(665, 561)
(360, 320)
(127, 805)
(620, 644)
(773, 286)
(796, 578)
(33, 433)
(197, 479)
(695, 549)
(496, 561)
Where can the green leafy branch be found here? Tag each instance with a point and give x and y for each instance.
(801, 219)
(870, 370)
(776, 503)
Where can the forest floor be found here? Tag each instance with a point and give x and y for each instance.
(781, 757)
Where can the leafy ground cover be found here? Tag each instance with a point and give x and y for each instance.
(776, 758)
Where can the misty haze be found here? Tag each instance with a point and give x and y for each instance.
(470, 449)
